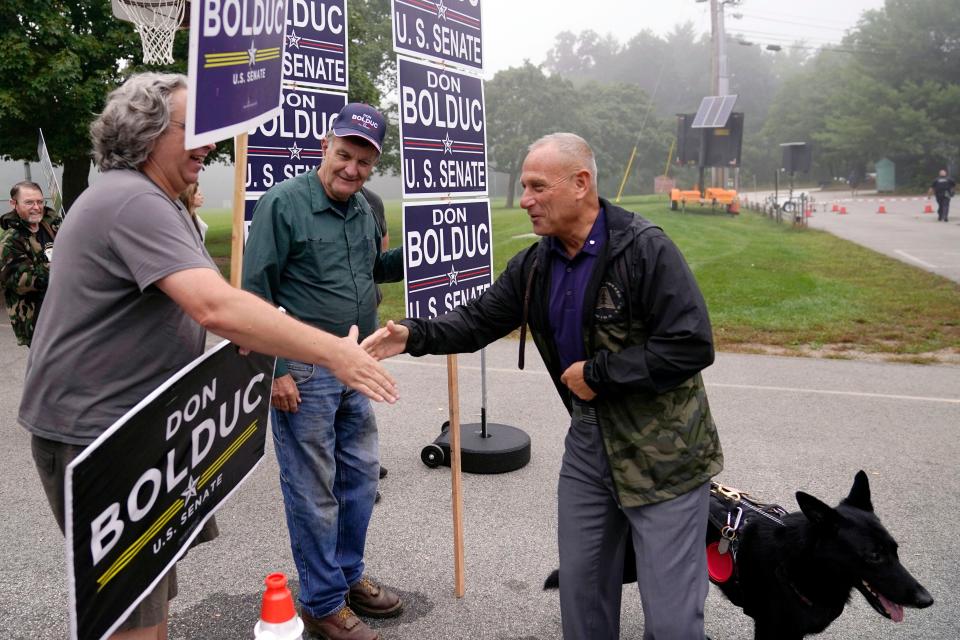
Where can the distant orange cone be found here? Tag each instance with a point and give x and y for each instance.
(881, 209)
(928, 208)
(278, 618)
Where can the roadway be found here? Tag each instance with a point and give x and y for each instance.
(904, 232)
(786, 424)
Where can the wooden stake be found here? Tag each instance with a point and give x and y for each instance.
(454, 397)
(239, 197)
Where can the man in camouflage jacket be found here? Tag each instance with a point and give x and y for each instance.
(26, 243)
(620, 323)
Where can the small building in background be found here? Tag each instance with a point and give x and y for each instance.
(663, 184)
(886, 175)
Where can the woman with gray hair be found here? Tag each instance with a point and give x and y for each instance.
(133, 294)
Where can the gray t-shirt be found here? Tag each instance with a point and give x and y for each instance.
(106, 336)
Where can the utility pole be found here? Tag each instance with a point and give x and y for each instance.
(719, 76)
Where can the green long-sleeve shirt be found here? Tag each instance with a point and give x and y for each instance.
(319, 264)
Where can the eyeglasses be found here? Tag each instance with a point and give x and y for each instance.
(182, 125)
(32, 203)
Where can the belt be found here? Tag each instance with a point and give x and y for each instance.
(584, 412)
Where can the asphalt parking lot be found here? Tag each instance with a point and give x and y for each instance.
(903, 231)
(785, 423)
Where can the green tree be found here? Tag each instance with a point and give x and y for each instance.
(373, 68)
(613, 118)
(524, 104)
(60, 57)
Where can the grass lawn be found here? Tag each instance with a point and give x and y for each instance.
(770, 288)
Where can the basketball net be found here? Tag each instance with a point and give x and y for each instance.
(157, 22)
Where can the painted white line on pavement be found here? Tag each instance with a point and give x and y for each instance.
(829, 392)
(915, 259)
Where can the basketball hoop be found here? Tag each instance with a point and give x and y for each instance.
(156, 21)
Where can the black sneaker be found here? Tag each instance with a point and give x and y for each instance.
(383, 472)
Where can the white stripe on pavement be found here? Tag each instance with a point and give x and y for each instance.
(915, 259)
(830, 392)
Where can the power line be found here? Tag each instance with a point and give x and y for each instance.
(796, 24)
(778, 15)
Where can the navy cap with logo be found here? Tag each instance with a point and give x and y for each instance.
(358, 119)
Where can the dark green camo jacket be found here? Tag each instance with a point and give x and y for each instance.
(24, 273)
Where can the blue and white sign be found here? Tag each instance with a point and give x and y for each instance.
(447, 255)
(446, 31)
(249, 204)
(316, 51)
(289, 144)
(443, 135)
(235, 67)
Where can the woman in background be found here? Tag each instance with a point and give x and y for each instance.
(192, 199)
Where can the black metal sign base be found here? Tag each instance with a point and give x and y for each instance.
(504, 448)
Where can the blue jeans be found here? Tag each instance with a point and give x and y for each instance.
(329, 465)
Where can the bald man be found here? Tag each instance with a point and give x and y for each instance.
(623, 330)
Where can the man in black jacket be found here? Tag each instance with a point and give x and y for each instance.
(943, 188)
(623, 330)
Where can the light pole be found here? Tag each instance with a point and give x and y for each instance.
(719, 74)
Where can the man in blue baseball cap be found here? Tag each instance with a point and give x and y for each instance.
(315, 249)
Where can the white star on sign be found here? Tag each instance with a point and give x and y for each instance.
(453, 276)
(447, 143)
(190, 491)
(295, 152)
(252, 52)
(441, 10)
(293, 40)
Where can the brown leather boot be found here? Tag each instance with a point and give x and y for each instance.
(370, 599)
(342, 625)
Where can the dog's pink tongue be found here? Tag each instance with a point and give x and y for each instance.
(894, 609)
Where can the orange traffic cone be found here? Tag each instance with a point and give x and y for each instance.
(882, 209)
(278, 618)
(843, 211)
(928, 208)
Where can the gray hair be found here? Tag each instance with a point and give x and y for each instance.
(136, 114)
(574, 148)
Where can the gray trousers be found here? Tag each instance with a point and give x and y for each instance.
(668, 537)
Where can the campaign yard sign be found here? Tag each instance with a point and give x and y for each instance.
(316, 44)
(289, 144)
(443, 134)
(448, 255)
(235, 67)
(139, 494)
(445, 31)
(249, 204)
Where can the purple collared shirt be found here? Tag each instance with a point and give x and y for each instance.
(568, 285)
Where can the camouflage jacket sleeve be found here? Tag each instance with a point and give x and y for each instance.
(23, 265)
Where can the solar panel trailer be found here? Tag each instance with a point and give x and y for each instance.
(714, 117)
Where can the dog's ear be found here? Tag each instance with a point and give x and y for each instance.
(817, 512)
(860, 493)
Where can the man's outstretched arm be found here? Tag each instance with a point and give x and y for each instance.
(387, 341)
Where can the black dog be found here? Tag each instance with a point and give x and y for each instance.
(794, 578)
